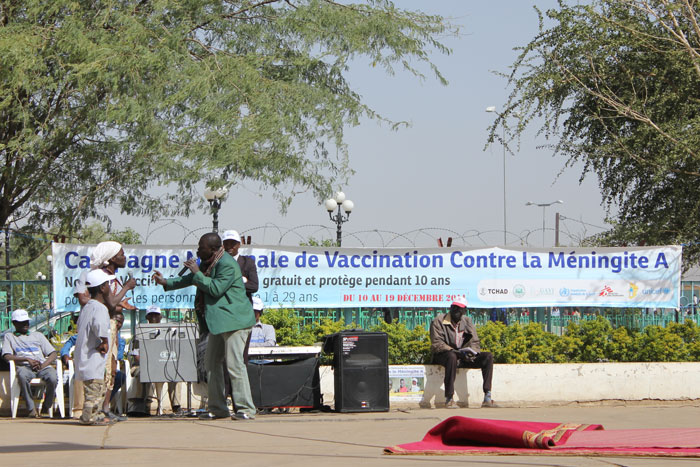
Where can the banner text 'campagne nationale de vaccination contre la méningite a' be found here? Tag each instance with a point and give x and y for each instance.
(314, 277)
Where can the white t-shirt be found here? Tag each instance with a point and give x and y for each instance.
(33, 345)
(92, 326)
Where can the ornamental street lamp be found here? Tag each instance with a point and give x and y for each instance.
(215, 197)
(544, 207)
(338, 201)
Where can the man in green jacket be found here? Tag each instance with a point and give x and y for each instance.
(225, 311)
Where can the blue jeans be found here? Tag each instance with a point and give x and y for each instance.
(48, 375)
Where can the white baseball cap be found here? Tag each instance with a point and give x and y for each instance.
(153, 309)
(97, 277)
(460, 301)
(20, 315)
(231, 235)
(258, 304)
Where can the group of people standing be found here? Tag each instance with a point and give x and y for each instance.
(224, 310)
(224, 306)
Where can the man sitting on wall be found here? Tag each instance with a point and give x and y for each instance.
(454, 343)
(33, 355)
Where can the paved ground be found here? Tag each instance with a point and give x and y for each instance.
(323, 439)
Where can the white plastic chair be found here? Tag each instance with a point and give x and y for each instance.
(71, 385)
(15, 390)
(122, 402)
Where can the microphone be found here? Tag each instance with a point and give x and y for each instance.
(185, 268)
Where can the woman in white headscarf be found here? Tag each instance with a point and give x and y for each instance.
(103, 253)
(109, 256)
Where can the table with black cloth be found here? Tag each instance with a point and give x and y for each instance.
(285, 377)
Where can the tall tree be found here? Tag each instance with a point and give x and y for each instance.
(102, 101)
(616, 84)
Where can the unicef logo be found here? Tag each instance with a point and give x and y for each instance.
(564, 292)
(519, 290)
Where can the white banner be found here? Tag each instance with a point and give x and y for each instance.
(313, 277)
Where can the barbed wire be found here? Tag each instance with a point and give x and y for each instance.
(273, 234)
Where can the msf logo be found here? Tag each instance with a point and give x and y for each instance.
(633, 290)
(606, 291)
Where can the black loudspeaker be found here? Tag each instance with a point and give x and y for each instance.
(361, 371)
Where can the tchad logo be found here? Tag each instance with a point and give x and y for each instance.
(482, 291)
(564, 292)
(633, 290)
(519, 290)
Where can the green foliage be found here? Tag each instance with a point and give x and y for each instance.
(406, 347)
(616, 86)
(623, 345)
(287, 328)
(657, 344)
(589, 341)
(101, 102)
(326, 242)
(594, 336)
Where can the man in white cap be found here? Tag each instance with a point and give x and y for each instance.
(454, 343)
(108, 257)
(92, 346)
(262, 335)
(33, 354)
(232, 243)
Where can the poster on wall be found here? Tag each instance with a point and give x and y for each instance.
(406, 383)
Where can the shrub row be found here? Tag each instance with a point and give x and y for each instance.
(587, 341)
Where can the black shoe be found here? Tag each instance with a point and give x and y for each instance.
(210, 416)
(114, 417)
(242, 416)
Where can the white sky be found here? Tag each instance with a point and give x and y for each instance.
(433, 176)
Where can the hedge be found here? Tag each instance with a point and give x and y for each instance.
(587, 341)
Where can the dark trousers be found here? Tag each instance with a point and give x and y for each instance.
(451, 361)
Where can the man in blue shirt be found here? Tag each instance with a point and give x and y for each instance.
(262, 335)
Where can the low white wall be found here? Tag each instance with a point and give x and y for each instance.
(526, 384)
(555, 383)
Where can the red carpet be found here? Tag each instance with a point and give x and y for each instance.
(473, 436)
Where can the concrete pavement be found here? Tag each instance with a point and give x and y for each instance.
(323, 439)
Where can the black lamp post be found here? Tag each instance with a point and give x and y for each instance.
(338, 201)
(215, 198)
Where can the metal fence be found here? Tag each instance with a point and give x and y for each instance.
(411, 317)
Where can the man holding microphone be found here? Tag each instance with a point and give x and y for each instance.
(223, 309)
